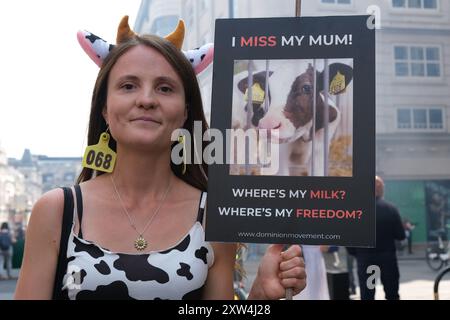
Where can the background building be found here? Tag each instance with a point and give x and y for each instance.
(12, 190)
(49, 172)
(158, 17)
(26, 179)
(58, 171)
(412, 86)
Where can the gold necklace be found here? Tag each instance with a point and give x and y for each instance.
(140, 243)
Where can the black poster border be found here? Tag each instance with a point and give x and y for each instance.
(359, 187)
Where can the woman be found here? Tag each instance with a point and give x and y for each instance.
(146, 212)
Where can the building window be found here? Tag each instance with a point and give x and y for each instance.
(436, 118)
(337, 1)
(415, 4)
(417, 61)
(429, 119)
(69, 177)
(48, 177)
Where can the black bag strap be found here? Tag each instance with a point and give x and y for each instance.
(79, 209)
(62, 255)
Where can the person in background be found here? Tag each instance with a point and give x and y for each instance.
(351, 275)
(389, 228)
(18, 247)
(6, 242)
(409, 227)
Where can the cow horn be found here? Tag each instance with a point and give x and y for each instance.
(177, 36)
(124, 31)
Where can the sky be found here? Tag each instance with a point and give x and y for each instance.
(46, 79)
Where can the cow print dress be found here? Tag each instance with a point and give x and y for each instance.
(179, 272)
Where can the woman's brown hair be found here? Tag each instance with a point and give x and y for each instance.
(196, 174)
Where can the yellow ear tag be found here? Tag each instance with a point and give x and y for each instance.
(337, 85)
(99, 156)
(257, 94)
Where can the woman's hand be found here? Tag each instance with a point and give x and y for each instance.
(279, 271)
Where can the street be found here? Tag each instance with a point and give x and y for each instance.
(416, 280)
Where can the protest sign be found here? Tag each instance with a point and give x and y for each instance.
(294, 102)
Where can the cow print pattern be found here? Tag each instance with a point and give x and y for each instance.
(102, 48)
(179, 272)
(184, 271)
(202, 254)
(196, 56)
(99, 46)
(103, 268)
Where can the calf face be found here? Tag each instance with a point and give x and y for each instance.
(294, 119)
(299, 105)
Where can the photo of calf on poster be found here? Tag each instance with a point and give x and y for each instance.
(294, 100)
(288, 95)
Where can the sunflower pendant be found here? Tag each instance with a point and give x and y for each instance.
(140, 243)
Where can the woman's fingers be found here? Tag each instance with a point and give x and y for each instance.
(295, 272)
(292, 272)
(291, 252)
(297, 285)
(292, 263)
(292, 258)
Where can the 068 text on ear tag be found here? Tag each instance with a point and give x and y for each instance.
(100, 156)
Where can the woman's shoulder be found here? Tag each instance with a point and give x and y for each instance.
(49, 207)
(46, 217)
(50, 199)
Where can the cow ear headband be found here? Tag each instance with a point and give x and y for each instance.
(98, 49)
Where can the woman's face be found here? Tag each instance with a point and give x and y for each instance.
(145, 100)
